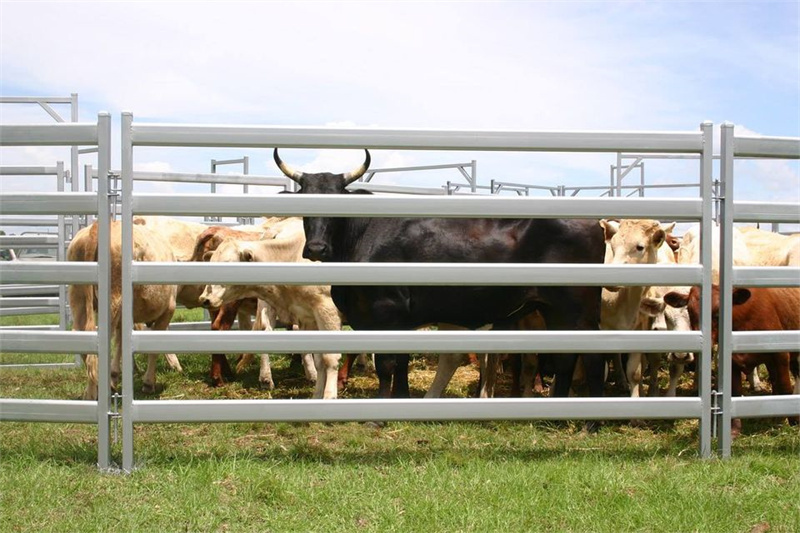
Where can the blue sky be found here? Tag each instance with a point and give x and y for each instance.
(444, 65)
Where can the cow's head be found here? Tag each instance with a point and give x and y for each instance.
(321, 231)
(230, 251)
(692, 303)
(633, 242)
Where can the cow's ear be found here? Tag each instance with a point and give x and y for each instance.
(676, 299)
(741, 295)
(652, 306)
(610, 228)
(246, 256)
(658, 238)
(207, 256)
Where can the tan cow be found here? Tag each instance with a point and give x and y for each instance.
(309, 306)
(152, 304)
(631, 242)
(768, 248)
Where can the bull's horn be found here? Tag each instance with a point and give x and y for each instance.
(291, 173)
(350, 177)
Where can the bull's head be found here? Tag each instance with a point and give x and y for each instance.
(321, 231)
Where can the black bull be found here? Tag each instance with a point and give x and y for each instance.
(457, 241)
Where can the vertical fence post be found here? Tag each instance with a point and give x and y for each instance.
(103, 289)
(704, 367)
(62, 237)
(724, 368)
(127, 292)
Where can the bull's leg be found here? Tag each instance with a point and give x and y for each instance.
(530, 380)
(400, 382)
(489, 364)
(384, 368)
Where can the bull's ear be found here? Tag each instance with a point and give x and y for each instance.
(246, 256)
(741, 295)
(610, 228)
(676, 299)
(207, 256)
(652, 306)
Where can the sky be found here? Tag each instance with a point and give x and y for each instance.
(528, 66)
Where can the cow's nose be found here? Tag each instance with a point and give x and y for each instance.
(316, 251)
(206, 303)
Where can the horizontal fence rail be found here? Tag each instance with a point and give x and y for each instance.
(499, 274)
(415, 341)
(395, 206)
(64, 411)
(161, 411)
(299, 137)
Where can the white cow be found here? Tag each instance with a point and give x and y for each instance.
(629, 242)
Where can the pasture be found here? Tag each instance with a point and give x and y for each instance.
(454, 476)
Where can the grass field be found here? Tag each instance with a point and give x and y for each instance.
(499, 476)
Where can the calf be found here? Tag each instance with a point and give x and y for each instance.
(309, 306)
(755, 309)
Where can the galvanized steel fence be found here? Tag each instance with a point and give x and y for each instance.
(151, 411)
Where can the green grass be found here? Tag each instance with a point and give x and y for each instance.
(499, 476)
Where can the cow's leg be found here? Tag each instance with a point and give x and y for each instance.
(675, 372)
(653, 362)
(755, 380)
(794, 365)
(736, 391)
(529, 375)
(309, 368)
(778, 368)
(90, 362)
(633, 371)
(149, 380)
(327, 319)
(446, 367)
(344, 371)
(173, 362)
(223, 321)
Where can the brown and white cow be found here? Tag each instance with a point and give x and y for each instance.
(629, 242)
(152, 304)
(309, 306)
(754, 309)
(224, 316)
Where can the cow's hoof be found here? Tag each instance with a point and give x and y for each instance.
(374, 424)
(267, 385)
(148, 388)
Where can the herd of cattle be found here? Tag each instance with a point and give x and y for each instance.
(411, 307)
